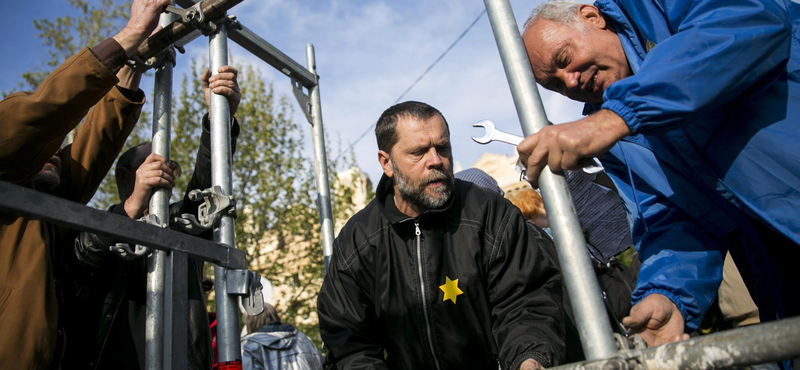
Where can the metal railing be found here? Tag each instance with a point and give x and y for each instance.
(166, 316)
(757, 344)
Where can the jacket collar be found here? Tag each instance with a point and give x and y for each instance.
(635, 52)
(385, 198)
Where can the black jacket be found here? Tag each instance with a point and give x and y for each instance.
(378, 297)
(102, 297)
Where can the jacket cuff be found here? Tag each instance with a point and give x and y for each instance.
(205, 137)
(541, 358)
(126, 97)
(111, 54)
(690, 323)
(626, 113)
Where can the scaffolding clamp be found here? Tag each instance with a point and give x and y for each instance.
(629, 342)
(215, 205)
(194, 16)
(247, 285)
(156, 61)
(124, 250)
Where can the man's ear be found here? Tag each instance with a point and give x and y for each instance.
(386, 163)
(592, 15)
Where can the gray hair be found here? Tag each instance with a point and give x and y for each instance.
(559, 11)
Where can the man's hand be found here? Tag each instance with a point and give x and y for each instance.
(223, 83)
(144, 18)
(657, 320)
(153, 173)
(530, 364)
(563, 146)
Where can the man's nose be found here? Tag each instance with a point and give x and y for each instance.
(571, 79)
(434, 160)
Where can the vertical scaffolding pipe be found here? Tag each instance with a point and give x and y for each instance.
(176, 302)
(579, 277)
(159, 206)
(320, 162)
(228, 348)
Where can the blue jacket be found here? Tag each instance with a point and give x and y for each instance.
(714, 108)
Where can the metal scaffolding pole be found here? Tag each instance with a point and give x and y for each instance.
(320, 161)
(579, 278)
(228, 348)
(729, 349)
(155, 319)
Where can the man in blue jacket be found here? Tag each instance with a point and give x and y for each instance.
(695, 106)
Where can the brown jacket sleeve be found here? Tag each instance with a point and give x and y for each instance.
(97, 144)
(33, 125)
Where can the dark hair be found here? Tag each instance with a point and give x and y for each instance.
(269, 316)
(126, 159)
(385, 128)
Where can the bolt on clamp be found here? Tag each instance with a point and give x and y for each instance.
(124, 250)
(156, 61)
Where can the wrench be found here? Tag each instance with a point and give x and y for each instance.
(492, 134)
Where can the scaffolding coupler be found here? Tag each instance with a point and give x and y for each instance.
(143, 65)
(215, 205)
(247, 285)
(124, 250)
(199, 16)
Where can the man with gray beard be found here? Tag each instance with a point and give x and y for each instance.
(437, 273)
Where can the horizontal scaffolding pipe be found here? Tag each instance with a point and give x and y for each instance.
(40, 206)
(752, 345)
(266, 52)
(212, 9)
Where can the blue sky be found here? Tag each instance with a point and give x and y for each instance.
(368, 53)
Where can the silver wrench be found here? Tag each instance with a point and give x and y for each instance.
(492, 134)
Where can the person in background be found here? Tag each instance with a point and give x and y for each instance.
(102, 284)
(602, 218)
(272, 345)
(32, 128)
(480, 178)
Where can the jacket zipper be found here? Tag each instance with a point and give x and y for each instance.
(424, 299)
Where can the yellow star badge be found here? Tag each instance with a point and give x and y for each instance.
(450, 289)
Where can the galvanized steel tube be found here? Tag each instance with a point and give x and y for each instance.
(576, 268)
(159, 206)
(731, 349)
(320, 163)
(228, 348)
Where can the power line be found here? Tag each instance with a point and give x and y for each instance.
(415, 82)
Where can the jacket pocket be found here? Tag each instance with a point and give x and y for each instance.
(5, 296)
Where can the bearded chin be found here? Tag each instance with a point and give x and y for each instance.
(46, 180)
(416, 194)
